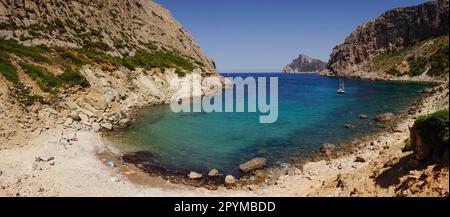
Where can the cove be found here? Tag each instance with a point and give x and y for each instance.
(310, 113)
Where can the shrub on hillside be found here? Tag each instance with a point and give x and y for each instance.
(417, 65)
(7, 69)
(440, 63)
(393, 71)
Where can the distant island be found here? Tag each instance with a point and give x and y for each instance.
(305, 63)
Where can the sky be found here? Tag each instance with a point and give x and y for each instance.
(266, 35)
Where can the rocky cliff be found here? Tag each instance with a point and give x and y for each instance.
(304, 63)
(85, 65)
(119, 28)
(393, 33)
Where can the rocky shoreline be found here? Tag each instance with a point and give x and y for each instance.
(29, 172)
(255, 177)
(356, 170)
(373, 76)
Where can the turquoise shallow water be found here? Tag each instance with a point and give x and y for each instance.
(310, 113)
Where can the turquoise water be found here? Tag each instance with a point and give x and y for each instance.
(310, 113)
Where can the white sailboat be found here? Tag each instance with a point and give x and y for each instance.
(341, 89)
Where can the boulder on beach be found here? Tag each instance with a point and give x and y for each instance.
(386, 117)
(68, 121)
(108, 126)
(257, 163)
(230, 180)
(429, 137)
(213, 173)
(96, 127)
(195, 175)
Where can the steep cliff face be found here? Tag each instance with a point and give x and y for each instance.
(394, 30)
(119, 28)
(304, 63)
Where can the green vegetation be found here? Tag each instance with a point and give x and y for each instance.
(439, 63)
(152, 46)
(431, 55)
(71, 60)
(46, 81)
(71, 78)
(7, 69)
(180, 73)
(96, 45)
(417, 65)
(32, 52)
(435, 127)
(49, 82)
(24, 97)
(162, 59)
(394, 71)
(59, 23)
(71, 57)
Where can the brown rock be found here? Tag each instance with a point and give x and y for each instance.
(386, 117)
(363, 116)
(428, 141)
(349, 126)
(195, 175)
(115, 107)
(124, 122)
(213, 173)
(360, 159)
(108, 126)
(257, 163)
(211, 187)
(428, 90)
(393, 30)
(230, 180)
(328, 148)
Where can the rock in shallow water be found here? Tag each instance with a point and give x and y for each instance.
(349, 126)
(328, 148)
(386, 117)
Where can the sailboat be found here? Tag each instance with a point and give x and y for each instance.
(341, 89)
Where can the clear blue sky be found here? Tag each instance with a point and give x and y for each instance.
(265, 35)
